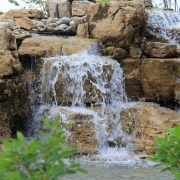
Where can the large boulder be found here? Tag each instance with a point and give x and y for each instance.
(118, 24)
(51, 46)
(146, 121)
(152, 78)
(18, 13)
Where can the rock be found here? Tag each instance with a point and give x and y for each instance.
(159, 50)
(52, 20)
(84, 8)
(64, 20)
(41, 29)
(39, 24)
(18, 13)
(13, 107)
(82, 30)
(77, 20)
(52, 46)
(135, 52)
(59, 8)
(64, 8)
(16, 27)
(83, 135)
(119, 53)
(9, 65)
(24, 22)
(155, 79)
(50, 27)
(146, 121)
(156, 38)
(61, 28)
(110, 50)
(21, 34)
(5, 134)
(126, 22)
(52, 9)
(7, 39)
(10, 22)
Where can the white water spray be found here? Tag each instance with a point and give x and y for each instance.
(165, 23)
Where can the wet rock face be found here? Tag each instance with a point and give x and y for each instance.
(146, 121)
(82, 134)
(155, 79)
(13, 107)
(79, 88)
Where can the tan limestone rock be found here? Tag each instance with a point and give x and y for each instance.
(118, 24)
(84, 8)
(24, 22)
(82, 30)
(133, 85)
(78, 20)
(9, 65)
(152, 78)
(21, 34)
(159, 50)
(7, 39)
(52, 46)
(18, 13)
(58, 8)
(64, 8)
(83, 135)
(146, 121)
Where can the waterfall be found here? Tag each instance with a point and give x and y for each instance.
(86, 84)
(165, 23)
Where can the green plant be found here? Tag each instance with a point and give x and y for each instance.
(40, 4)
(38, 159)
(168, 151)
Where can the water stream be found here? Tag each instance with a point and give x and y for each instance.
(165, 23)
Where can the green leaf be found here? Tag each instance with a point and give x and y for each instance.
(82, 170)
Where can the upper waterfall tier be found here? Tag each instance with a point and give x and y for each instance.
(79, 79)
(165, 23)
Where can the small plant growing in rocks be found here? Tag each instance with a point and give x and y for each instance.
(168, 152)
(38, 159)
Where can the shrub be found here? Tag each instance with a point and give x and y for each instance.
(38, 159)
(168, 151)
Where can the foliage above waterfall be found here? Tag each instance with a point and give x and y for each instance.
(31, 4)
(168, 152)
(38, 159)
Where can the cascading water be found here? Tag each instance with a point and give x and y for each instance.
(84, 83)
(165, 23)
